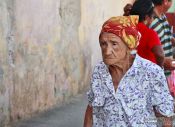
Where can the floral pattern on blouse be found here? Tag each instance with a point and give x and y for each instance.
(131, 105)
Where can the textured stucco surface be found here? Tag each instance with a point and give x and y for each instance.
(47, 51)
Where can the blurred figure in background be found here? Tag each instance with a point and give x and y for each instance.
(149, 46)
(127, 9)
(171, 20)
(163, 29)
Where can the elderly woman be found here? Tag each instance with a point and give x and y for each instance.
(124, 87)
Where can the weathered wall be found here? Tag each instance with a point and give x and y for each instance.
(47, 50)
(94, 13)
(5, 73)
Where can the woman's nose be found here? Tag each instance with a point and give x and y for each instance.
(108, 50)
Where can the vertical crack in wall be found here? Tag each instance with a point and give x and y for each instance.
(10, 39)
(7, 33)
(70, 14)
(11, 32)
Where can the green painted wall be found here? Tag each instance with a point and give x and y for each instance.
(172, 9)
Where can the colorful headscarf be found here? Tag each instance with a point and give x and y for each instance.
(125, 28)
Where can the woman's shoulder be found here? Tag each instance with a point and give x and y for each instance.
(151, 67)
(99, 66)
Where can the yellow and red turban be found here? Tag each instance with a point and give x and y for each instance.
(125, 28)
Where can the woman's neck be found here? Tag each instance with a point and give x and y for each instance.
(118, 71)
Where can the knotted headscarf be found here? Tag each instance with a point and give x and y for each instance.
(125, 28)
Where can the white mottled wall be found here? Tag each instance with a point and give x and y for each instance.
(47, 51)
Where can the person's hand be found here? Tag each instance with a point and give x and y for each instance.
(173, 41)
(167, 121)
(168, 64)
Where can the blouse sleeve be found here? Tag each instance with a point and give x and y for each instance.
(161, 97)
(153, 39)
(95, 94)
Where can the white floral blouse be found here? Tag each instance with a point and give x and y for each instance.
(131, 105)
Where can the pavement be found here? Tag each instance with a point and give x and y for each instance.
(69, 115)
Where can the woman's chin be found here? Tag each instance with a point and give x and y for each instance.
(108, 62)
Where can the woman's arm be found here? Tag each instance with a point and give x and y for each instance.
(167, 121)
(159, 55)
(162, 100)
(88, 117)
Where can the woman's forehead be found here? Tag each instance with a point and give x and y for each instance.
(110, 36)
(106, 35)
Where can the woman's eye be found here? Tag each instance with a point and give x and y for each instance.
(103, 43)
(115, 43)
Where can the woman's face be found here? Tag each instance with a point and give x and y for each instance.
(113, 48)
